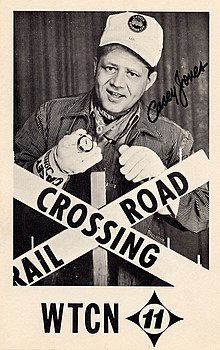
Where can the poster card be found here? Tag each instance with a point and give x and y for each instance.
(108, 239)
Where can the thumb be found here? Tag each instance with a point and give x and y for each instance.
(123, 148)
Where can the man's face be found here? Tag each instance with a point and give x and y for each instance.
(120, 81)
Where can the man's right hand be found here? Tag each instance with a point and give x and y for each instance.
(71, 159)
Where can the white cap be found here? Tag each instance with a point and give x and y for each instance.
(142, 34)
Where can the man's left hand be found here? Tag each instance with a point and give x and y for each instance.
(139, 163)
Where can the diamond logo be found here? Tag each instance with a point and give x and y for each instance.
(154, 318)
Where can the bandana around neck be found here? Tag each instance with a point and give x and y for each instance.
(105, 125)
(107, 117)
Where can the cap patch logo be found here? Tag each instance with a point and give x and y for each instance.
(137, 23)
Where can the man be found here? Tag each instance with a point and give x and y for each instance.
(108, 129)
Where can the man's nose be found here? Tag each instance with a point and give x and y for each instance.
(118, 80)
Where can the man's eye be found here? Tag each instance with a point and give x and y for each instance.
(110, 69)
(133, 74)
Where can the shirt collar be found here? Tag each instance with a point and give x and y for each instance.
(80, 106)
(83, 106)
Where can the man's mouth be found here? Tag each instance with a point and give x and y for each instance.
(114, 94)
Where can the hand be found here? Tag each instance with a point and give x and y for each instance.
(71, 159)
(139, 163)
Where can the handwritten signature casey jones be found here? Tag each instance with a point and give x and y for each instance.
(179, 96)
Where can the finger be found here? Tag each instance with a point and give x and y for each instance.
(127, 154)
(148, 173)
(133, 162)
(135, 171)
(90, 161)
(80, 132)
(70, 140)
(95, 152)
(141, 176)
(123, 148)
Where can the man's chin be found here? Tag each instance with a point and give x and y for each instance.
(114, 111)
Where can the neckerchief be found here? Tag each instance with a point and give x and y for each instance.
(112, 131)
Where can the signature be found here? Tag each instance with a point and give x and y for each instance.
(176, 92)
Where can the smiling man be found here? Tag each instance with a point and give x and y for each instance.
(107, 129)
(121, 79)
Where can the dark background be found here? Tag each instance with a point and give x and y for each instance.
(53, 57)
(54, 54)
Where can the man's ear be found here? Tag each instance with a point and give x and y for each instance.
(95, 62)
(151, 80)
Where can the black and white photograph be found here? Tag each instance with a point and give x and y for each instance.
(124, 126)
